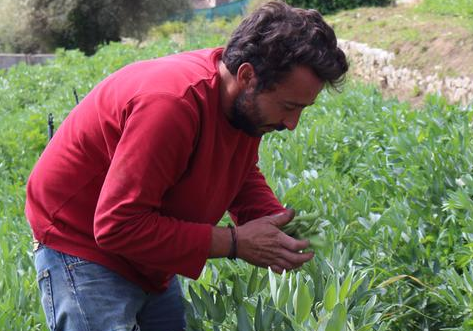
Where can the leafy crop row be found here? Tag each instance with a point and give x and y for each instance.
(392, 189)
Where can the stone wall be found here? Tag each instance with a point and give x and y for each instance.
(370, 64)
(375, 65)
(8, 60)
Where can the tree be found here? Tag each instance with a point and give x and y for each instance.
(85, 24)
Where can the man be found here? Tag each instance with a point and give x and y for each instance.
(130, 189)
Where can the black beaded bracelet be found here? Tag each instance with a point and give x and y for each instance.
(233, 249)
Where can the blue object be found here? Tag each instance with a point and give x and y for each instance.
(80, 295)
(229, 9)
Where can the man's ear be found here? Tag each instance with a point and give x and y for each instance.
(246, 77)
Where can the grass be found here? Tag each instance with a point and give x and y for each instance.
(458, 8)
(421, 37)
(365, 26)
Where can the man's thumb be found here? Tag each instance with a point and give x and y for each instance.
(283, 218)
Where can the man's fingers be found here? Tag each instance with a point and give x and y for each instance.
(293, 244)
(277, 269)
(279, 220)
(264, 244)
(295, 260)
(290, 261)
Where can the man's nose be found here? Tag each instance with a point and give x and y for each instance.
(291, 121)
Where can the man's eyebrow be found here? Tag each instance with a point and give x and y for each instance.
(296, 104)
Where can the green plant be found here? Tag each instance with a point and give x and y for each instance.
(321, 296)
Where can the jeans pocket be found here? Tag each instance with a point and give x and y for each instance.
(72, 261)
(45, 287)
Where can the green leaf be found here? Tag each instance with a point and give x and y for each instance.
(292, 289)
(223, 288)
(392, 280)
(263, 282)
(237, 292)
(345, 286)
(366, 327)
(211, 307)
(259, 316)
(273, 285)
(243, 319)
(313, 270)
(302, 301)
(283, 291)
(268, 315)
(355, 286)
(368, 308)
(375, 318)
(330, 297)
(197, 302)
(193, 321)
(253, 283)
(468, 280)
(338, 320)
(220, 310)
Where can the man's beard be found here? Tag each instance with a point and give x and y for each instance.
(246, 115)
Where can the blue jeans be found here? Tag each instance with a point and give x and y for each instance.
(78, 295)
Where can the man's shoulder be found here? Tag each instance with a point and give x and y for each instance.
(178, 62)
(170, 74)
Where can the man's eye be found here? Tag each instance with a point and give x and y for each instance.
(290, 107)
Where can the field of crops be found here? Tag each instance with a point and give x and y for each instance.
(391, 187)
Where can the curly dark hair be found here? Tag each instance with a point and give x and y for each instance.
(276, 37)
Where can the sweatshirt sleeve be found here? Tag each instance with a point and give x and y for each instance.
(254, 200)
(153, 151)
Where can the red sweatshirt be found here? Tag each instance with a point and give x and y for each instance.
(143, 167)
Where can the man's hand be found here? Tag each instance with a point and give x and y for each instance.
(262, 243)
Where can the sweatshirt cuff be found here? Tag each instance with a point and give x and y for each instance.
(202, 236)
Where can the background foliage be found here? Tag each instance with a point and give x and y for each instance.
(331, 6)
(15, 35)
(84, 24)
